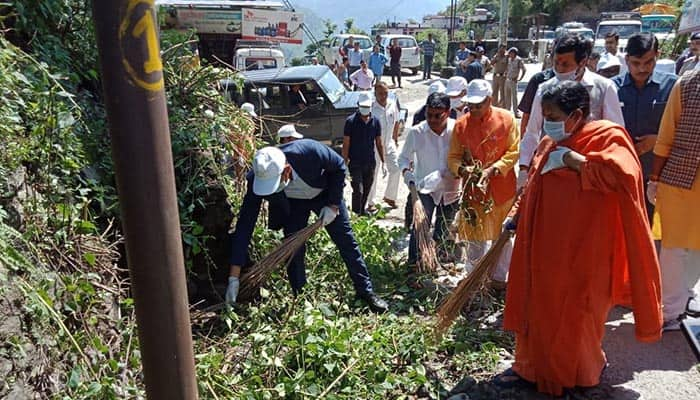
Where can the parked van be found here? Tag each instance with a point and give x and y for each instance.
(331, 52)
(253, 55)
(410, 52)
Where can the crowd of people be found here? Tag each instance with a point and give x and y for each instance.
(603, 173)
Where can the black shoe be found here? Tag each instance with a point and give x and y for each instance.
(375, 303)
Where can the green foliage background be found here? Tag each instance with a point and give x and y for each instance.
(69, 328)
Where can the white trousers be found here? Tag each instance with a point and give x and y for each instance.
(391, 158)
(477, 249)
(680, 271)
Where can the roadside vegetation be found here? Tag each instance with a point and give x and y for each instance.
(66, 314)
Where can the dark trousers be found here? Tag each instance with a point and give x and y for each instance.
(445, 214)
(361, 179)
(341, 234)
(427, 66)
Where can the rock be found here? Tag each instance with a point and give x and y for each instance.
(464, 386)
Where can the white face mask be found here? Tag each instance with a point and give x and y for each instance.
(567, 76)
(365, 110)
(455, 103)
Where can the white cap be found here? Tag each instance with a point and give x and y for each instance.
(436, 87)
(249, 108)
(364, 100)
(289, 131)
(667, 66)
(268, 164)
(477, 91)
(608, 61)
(455, 86)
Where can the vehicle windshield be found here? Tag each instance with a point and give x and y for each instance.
(625, 31)
(405, 42)
(364, 43)
(331, 86)
(260, 63)
(586, 33)
(658, 24)
(548, 35)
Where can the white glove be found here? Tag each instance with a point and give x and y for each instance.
(232, 289)
(409, 177)
(384, 170)
(328, 214)
(556, 159)
(652, 187)
(522, 179)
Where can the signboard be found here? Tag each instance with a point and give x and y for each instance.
(690, 17)
(209, 21)
(275, 26)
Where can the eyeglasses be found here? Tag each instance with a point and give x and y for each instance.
(476, 106)
(434, 115)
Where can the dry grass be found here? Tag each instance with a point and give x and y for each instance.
(467, 287)
(251, 280)
(427, 262)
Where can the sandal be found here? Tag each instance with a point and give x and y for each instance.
(509, 379)
(390, 202)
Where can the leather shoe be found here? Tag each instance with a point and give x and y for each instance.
(375, 303)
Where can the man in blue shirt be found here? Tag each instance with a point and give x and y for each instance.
(473, 68)
(643, 94)
(362, 132)
(461, 56)
(428, 50)
(296, 179)
(376, 63)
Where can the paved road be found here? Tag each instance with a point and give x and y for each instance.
(666, 370)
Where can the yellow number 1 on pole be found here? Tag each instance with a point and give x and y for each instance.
(145, 26)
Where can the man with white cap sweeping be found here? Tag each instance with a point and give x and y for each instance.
(296, 179)
(483, 151)
(288, 133)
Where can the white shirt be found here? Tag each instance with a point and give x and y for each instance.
(604, 105)
(428, 152)
(362, 78)
(298, 189)
(354, 57)
(388, 117)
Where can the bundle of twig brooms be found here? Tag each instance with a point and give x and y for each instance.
(427, 261)
(467, 287)
(282, 254)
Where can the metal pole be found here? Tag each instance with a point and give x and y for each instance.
(132, 79)
(503, 23)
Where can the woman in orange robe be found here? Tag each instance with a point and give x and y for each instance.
(582, 245)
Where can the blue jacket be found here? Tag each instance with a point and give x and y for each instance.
(376, 63)
(316, 164)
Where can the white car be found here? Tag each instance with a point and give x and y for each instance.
(331, 52)
(410, 52)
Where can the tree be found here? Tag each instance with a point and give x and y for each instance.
(349, 24)
(329, 28)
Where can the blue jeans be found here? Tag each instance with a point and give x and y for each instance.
(427, 66)
(445, 214)
(341, 234)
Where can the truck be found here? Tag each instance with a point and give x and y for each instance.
(574, 27)
(661, 25)
(625, 24)
(255, 54)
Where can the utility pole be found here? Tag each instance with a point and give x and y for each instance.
(132, 80)
(503, 24)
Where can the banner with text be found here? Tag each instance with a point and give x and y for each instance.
(275, 26)
(690, 17)
(210, 21)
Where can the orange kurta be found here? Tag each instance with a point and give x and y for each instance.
(583, 244)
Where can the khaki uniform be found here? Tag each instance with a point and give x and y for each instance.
(500, 65)
(515, 65)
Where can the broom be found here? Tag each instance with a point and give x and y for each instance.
(424, 241)
(467, 287)
(282, 254)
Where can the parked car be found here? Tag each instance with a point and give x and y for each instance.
(410, 53)
(329, 102)
(331, 52)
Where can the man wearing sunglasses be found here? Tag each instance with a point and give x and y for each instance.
(483, 151)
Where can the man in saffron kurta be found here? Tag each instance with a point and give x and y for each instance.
(582, 245)
(489, 136)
